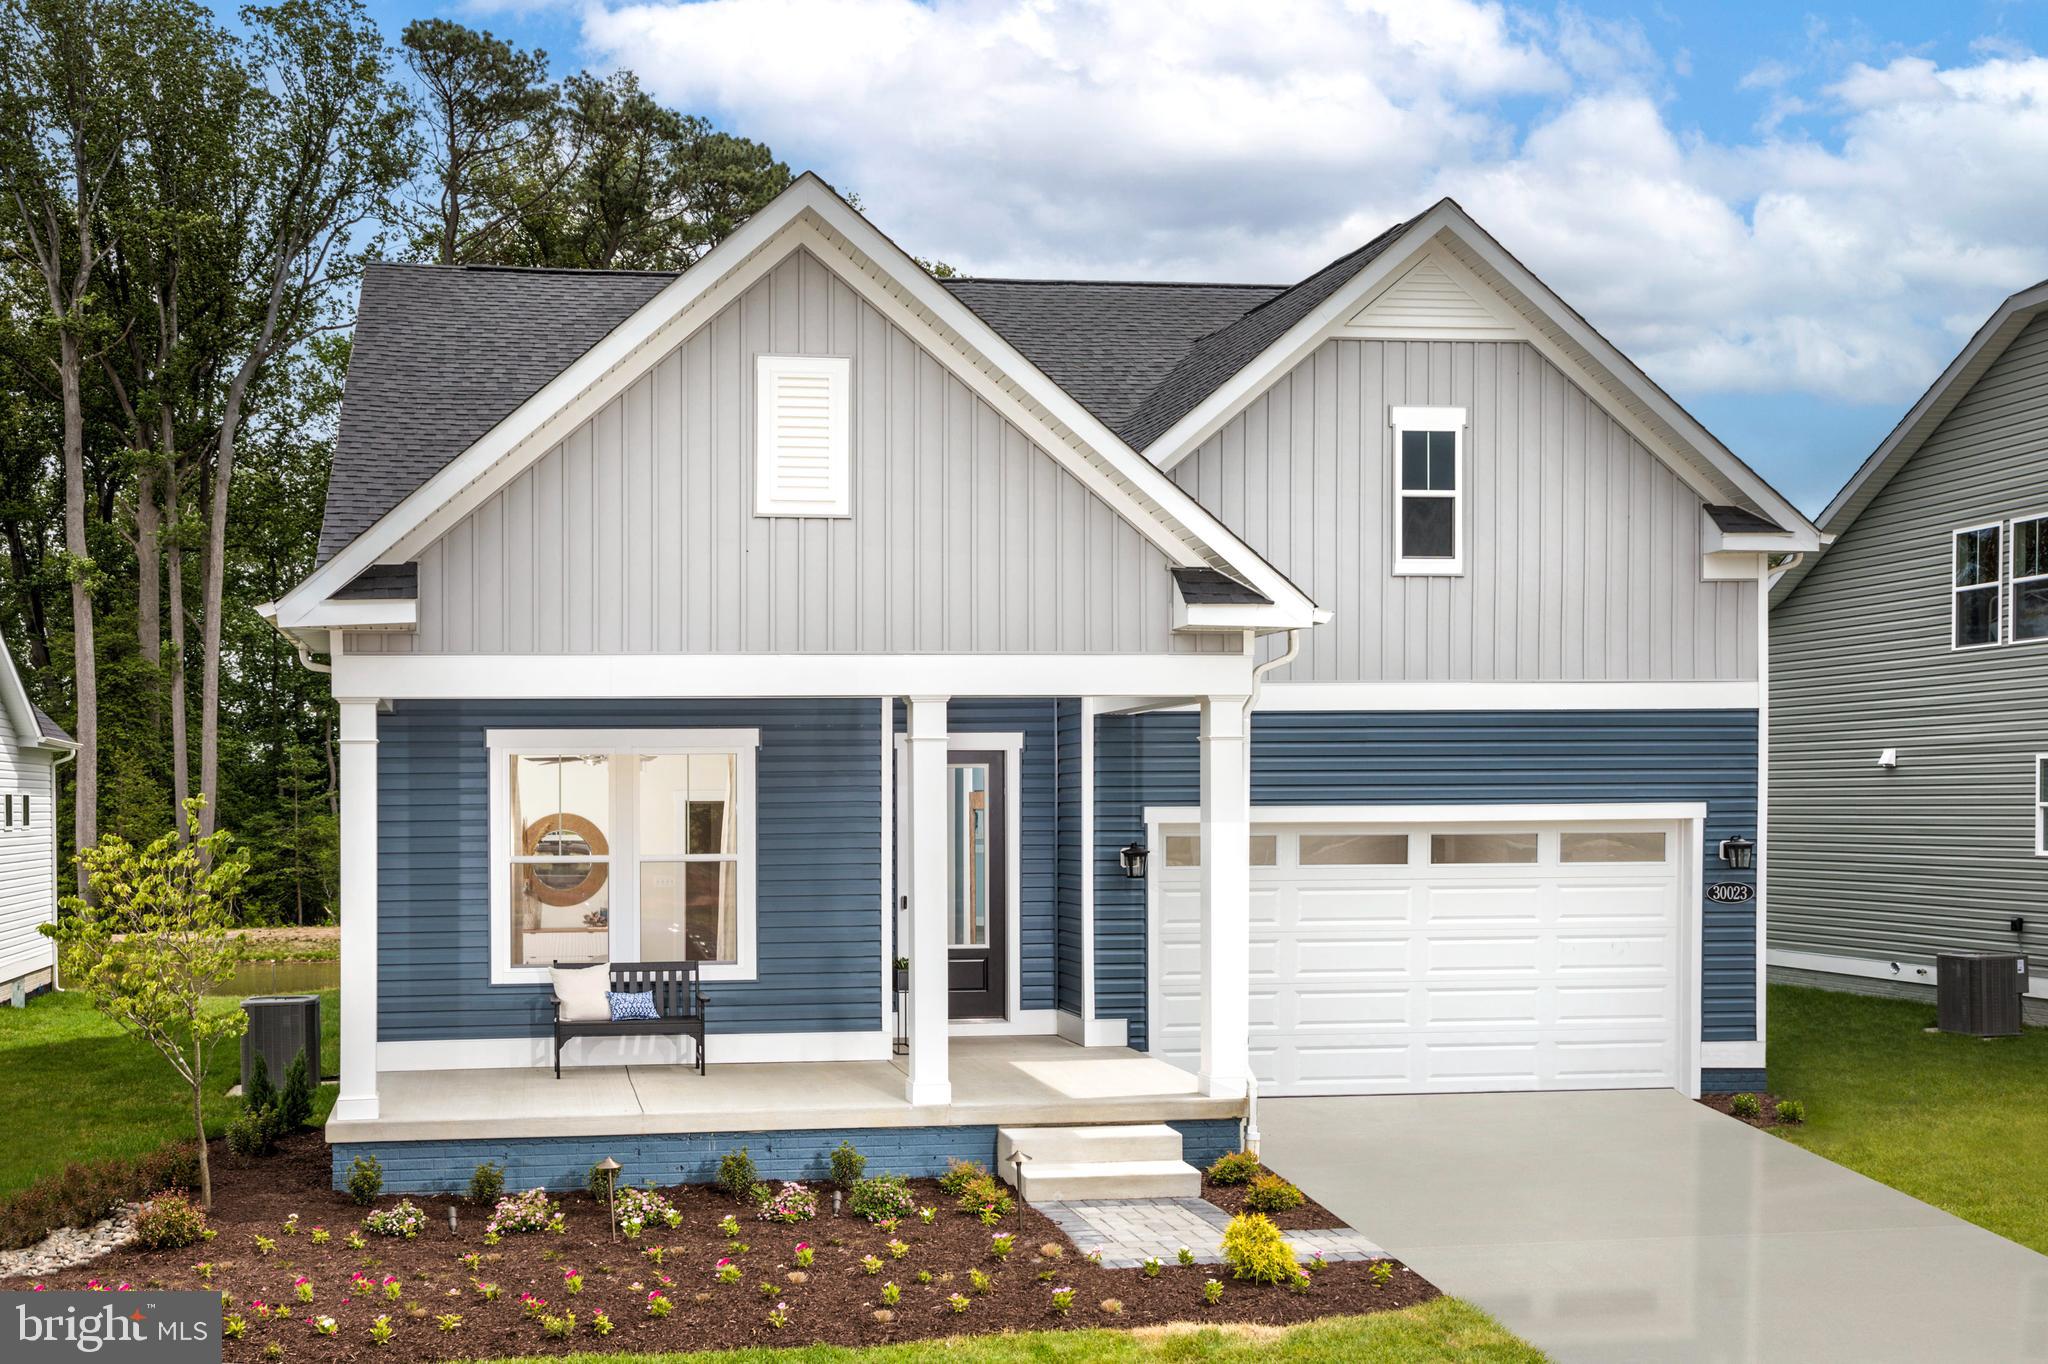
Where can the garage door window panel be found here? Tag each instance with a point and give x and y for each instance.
(1482, 849)
(1611, 845)
(1354, 850)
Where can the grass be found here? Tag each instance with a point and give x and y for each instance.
(1443, 1330)
(75, 1087)
(1958, 1122)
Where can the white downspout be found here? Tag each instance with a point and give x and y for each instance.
(1249, 1132)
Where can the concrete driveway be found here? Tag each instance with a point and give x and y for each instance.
(1641, 1226)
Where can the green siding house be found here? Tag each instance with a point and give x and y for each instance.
(1909, 689)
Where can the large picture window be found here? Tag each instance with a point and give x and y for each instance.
(1429, 483)
(622, 845)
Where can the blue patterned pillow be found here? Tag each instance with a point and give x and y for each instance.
(631, 1006)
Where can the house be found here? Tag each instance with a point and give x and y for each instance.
(31, 747)
(1213, 691)
(1909, 689)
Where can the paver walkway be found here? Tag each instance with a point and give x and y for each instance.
(1126, 1232)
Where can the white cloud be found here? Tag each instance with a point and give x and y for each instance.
(1140, 138)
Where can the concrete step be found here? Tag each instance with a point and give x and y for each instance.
(1069, 1182)
(1085, 1145)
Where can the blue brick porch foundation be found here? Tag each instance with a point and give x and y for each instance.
(561, 1163)
(1730, 1081)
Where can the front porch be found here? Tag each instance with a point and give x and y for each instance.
(669, 1123)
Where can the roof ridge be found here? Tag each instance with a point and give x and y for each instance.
(1116, 283)
(485, 268)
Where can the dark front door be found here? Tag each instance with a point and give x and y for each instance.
(977, 885)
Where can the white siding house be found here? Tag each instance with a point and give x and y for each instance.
(31, 745)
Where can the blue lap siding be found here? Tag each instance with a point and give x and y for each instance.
(818, 886)
(1438, 758)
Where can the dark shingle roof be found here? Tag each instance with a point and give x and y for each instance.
(1213, 587)
(444, 353)
(1107, 344)
(50, 728)
(1213, 360)
(383, 582)
(1743, 521)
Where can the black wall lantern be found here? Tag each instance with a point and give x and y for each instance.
(1739, 853)
(1132, 859)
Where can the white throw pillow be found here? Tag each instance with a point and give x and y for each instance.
(581, 990)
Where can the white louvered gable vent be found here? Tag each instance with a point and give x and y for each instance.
(801, 440)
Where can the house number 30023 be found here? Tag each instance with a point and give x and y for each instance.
(1731, 892)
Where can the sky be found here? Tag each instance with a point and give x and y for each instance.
(1790, 218)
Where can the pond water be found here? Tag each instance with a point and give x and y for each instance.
(282, 978)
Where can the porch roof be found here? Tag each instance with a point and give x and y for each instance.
(996, 1080)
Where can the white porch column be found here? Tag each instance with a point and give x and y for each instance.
(930, 1080)
(358, 1093)
(1226, 898)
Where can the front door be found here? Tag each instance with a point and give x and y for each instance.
(977, 885)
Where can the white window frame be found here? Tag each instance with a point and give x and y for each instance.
(1997, 584)
(1454, 420)
(623, 941)
(2040, 807)
(838, 370)
(2009, 558)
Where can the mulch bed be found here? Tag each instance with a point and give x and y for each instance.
(835, 1301)
(1768, 1118)
(1310, 1216)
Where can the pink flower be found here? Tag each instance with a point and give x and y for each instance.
(803, 1245)
(39, 1288)
(723, 1263)
(125, 1287)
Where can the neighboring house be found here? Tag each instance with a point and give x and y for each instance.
(803, 610)
(1909, 689)
(31, 746)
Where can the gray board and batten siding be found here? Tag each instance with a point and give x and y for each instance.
(1582, 551)
(637, 533)
(1939, 853)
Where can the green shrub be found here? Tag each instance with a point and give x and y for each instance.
(1255, 1250)
(880, 1198)
(1270, 1193)
(169, 1221)
(1239, 1167)
(1791, 1110)
(1745, 1105)
(847, 1165)
(959, 1174)
(169, 1167)
(82, 1194)
(295, 1100)
(255, 1131)
(737, 1176)
(601, 1182)
(986, 1195)
(258, 1095)
(365, 1179)
(487, 1182)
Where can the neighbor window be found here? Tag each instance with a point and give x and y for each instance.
(1429, 479)
(1975, 588)
(622, 845)
(2030, 578)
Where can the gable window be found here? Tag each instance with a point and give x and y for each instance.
(1429, 478)
(1976, 590)
(622, 845)
(801, 441)
(2030, 578)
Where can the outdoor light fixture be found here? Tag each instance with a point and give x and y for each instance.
(1132, 858)
(1739, 853)
(610, 1169)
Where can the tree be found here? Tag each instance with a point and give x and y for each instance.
(65, 69)
(152, 941)
(481, 101)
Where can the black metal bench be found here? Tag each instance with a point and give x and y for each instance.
(678, 997)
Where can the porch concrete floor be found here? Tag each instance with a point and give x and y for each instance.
(1000, 1080)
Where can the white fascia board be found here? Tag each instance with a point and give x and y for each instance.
(1714, 540)
(1614, 812)
(1152, 503)
(1227, 617)
(368, 614)
(1505, 696)
(607, 676)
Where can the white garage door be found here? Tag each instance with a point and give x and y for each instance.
(1418, 959)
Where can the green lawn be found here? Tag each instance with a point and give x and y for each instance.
(1446, 1330)
(75, 1087)
(1958, 1122)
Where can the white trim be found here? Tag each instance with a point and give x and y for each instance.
(890, 933)
(1763, 790)
(1689, 816)
(810, 214)
(1451, 696)
(1995, 586)
(624, 858)
(1010, 744)
(1732, 1055)
(928, 1078)
(482, 677)
(386, 612)
(835, 498)
(1906, 970)
(1431, 420)
(1089, 707)
(357, 740)
(722, 1048)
